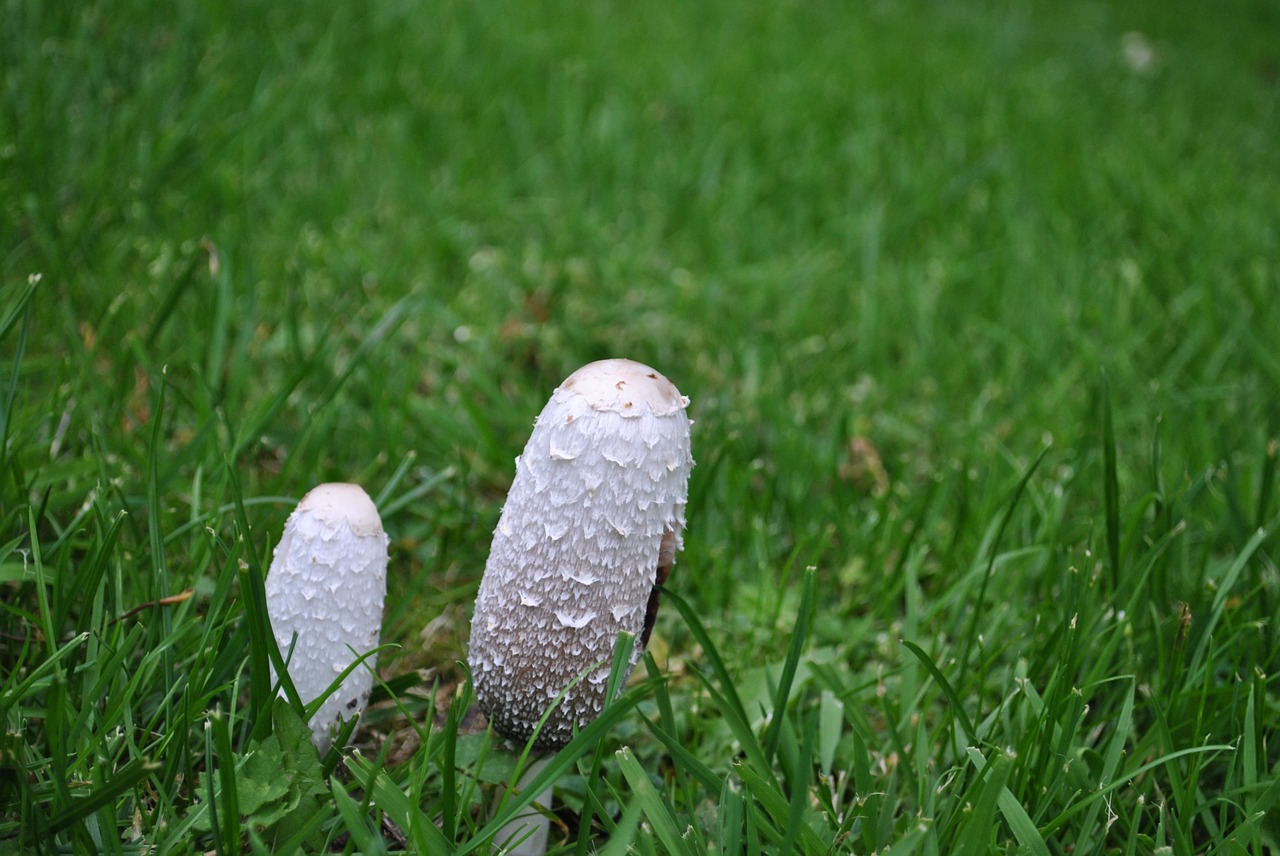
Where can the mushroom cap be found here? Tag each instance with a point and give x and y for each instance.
(327, 585)
(596, 506)
(622, 386)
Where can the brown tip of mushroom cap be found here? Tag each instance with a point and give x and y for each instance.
(623, 386)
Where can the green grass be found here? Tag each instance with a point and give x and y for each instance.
(979, 323)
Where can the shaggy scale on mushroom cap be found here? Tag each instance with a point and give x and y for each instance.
(327, 584)
(592, 521)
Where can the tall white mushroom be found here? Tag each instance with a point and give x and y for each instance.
(592, 523)
(325, 594)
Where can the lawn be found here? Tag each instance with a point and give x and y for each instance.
(975, 303)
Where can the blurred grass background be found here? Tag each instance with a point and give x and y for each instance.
(889, 249)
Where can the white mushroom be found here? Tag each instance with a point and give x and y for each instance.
(592, 522)
(325, 593)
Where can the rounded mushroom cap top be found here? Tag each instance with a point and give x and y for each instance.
(337, 501)
(622, 386)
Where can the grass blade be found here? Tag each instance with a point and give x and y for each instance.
(1110, 482)
(558, 765)
(1024, 829)
(624, 833)
(362, 832)
(957, 705)
(730, 819)
(388, 796)
(1224, 588)
(799, 638)
(972, 635)
(121, 782)
(975, 834)
(1055, 824)
(660, 817)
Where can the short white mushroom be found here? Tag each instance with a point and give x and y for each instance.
(591, 524)
(325, 594)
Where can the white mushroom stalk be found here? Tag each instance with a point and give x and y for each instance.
(526, 834)
(325, 594)
(591, 524)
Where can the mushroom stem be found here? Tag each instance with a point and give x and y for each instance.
(526, 833)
